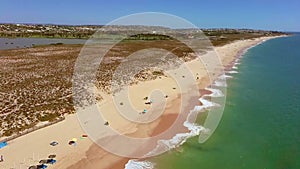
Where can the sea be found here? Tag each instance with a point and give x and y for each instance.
(260, 127)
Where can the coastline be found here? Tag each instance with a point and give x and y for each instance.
(88, 154)
(228, 65)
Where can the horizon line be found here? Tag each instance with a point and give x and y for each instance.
(60, 24)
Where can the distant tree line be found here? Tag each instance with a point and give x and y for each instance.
(149, 37)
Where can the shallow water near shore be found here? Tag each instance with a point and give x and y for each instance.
(260, 124)
(15, 43)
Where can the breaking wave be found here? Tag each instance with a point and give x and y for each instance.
(215, 92)
(134, 164)
(181, 138)
(235, 67)
(232, 72)
(224, 77)
(220, 83)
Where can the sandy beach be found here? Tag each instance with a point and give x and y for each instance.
(29, 149)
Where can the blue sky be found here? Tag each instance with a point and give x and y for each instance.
(256, 14)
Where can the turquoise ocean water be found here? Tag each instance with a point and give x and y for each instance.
(260, 128)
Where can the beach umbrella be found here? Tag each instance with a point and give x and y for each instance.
(74, 139)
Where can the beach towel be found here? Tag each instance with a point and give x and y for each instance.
(3, 144)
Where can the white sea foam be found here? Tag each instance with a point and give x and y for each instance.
(207, 103)
(180, 138)
(176, 141)
(234, 67)
(224, 77)
(134, 164)
(194, 129)
(232, 72)
(220, 83)
(215, 92)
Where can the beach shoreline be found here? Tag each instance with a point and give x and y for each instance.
(228, 66)
(87, 153)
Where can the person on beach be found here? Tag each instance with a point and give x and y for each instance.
(1, 158)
